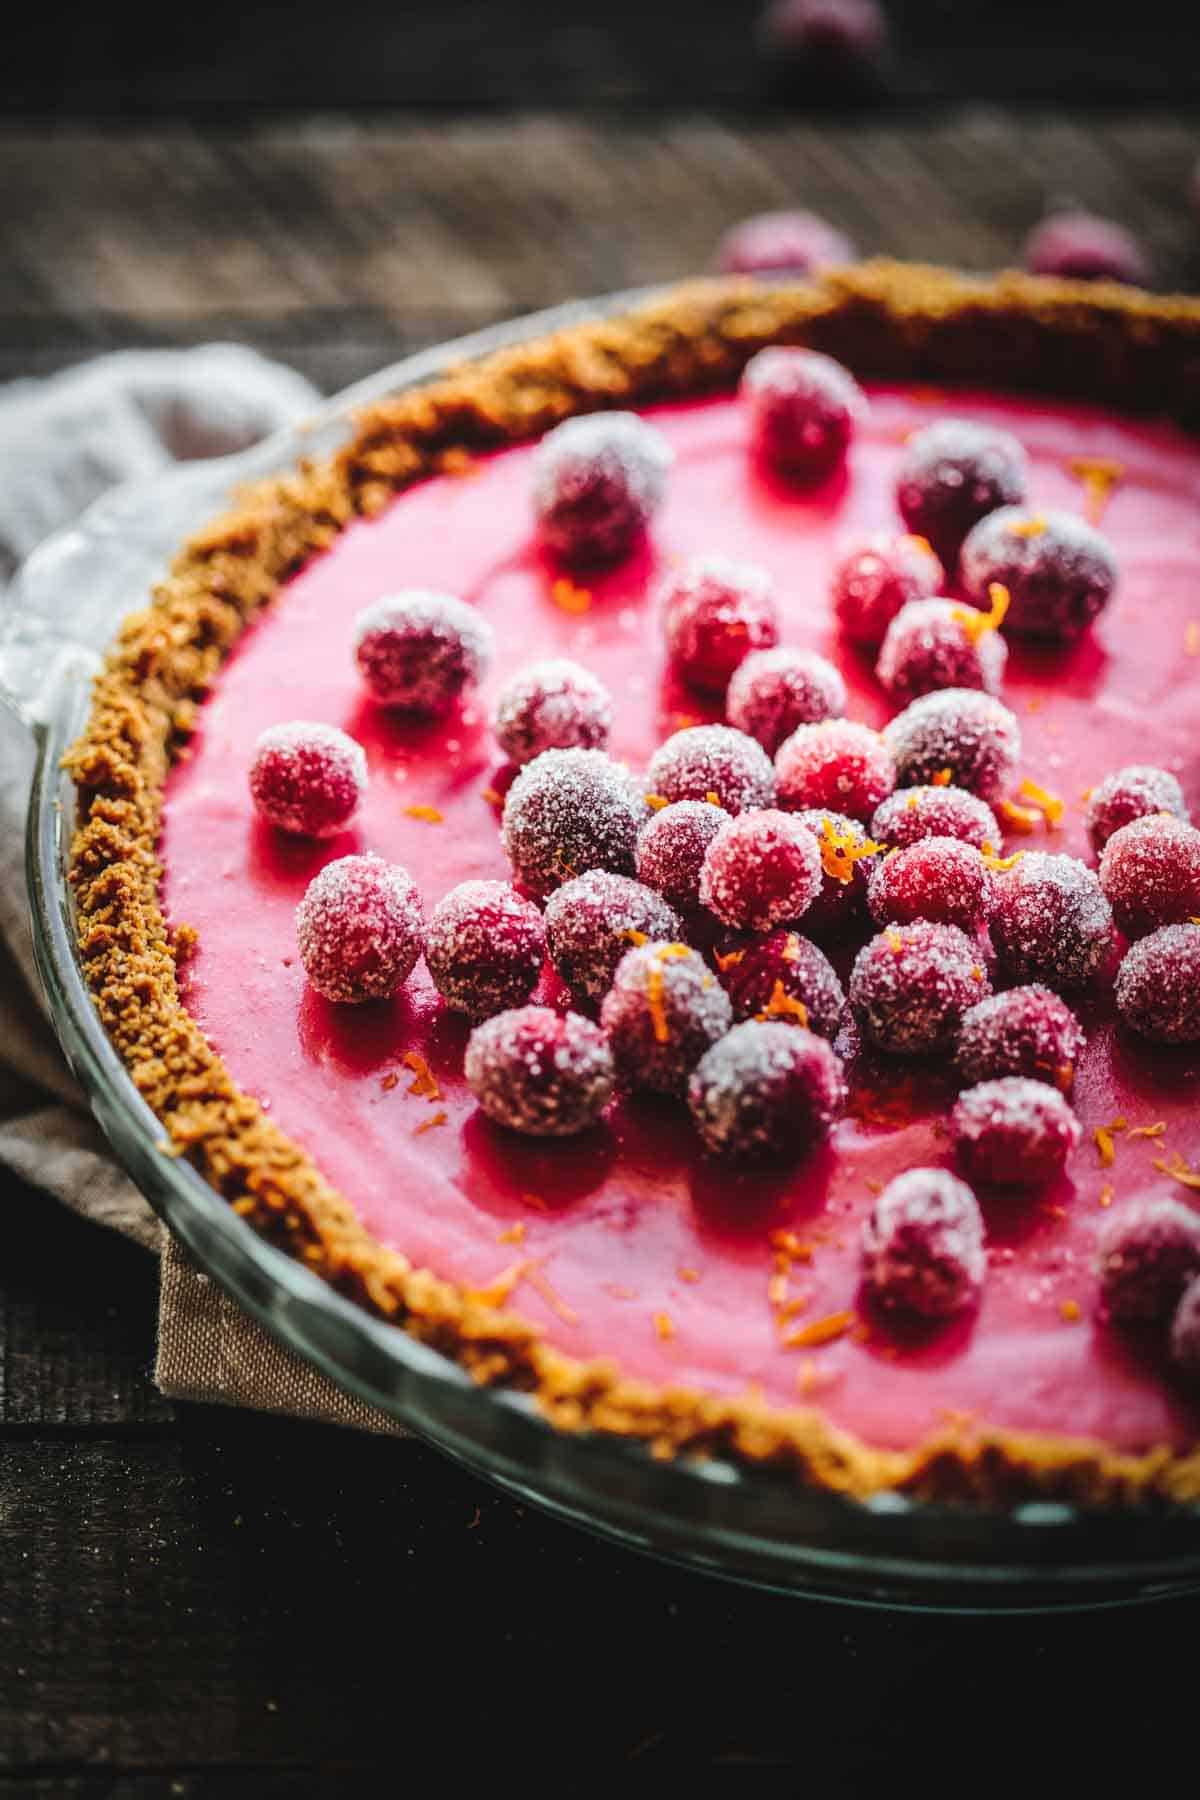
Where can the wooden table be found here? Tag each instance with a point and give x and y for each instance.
(195, 1602)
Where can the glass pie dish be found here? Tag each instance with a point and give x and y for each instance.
(743, 1522)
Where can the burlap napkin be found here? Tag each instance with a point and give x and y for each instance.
(63, 442)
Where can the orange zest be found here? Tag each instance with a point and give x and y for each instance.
(1103, 1139)
(635, 937)
(1002, 863)
(784, 1005)
(424, 1083)
(1191, 638)
(654, 1000)
(1149, 1131)
(514, 1235)
(664, 1325)
(941, 778)
(656, 802)
(1105, 1196)
(977, 624)
(1071, 1311)
(1033, 526)
(1021, 818)
(429, 813)
(1179, 1170)
(431, 1124)
(820, 1331)
(730, 960)
(1099, 475)
(569, 598)
(1050, 804)
(894, 939)
(713, 798)
(840, 850)
(492, 796)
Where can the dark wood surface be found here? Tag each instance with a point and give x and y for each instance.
(195, 1602)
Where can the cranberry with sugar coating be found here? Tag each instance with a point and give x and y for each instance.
(569, 811)
(484, 947)
(922, 1245)
(1051, 922)
(965, 738)
(838, 763)
(933, 644)
(913, 813)
(1157, 988)
(591, 923)
(1013, 1132)
(1148, 1254)
(911, 986)
(937, 878)
(953, 473)
(774, 691)
(663, 1010)
(360, 929)
(761, 868)
(598, 480)
(672, 845)
(1134, 792)
(804, 410)
(765, 1090)
(876, 578)
(715, 612)
(307, 778)
(552, 705)
(1024, 1031)
(785, 978)
(418, 650)
(1150, 873)
(715, 763)
(1059, 571)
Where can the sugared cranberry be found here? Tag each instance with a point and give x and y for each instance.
(774, 691)
(937, 878)
(591, 923)
(951, 474)
(804, 410)
(597, 482)
(713, 762)
(1060, 572)
(848, 855)
(911, 814)
(765, 1090)
(663, 1010)
(307, 777)
(785, 978)
(484, 947)
(875, 579)
(1150, 872)
(1084, 247)
(972, 735)
(1013, 1132)
(543, 1073)
(672, 846)
(552, 705)
(360, 929)
(837, 763)
(922, 1245)
(1132, 793)
(911, 985)
(1148, 1254)
(834, 43)
(1158, 986)
(933, 644)
(1050, 921)
(714, 613)
(418, 650)
(783, 243)
(1185, 1334)
(1025, 1031)
(761, 868)
(569, 811)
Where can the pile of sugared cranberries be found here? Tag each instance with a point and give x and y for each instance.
(765, 1090)
(784, 977)
(933, 644)
(539, 1072)
(837, 763)
(552, 705)
(597, 482)
(911, 814)
(1084, 247)
(971, 735)
(307, 778)
(847, 857)
(1148, 1254)
(761, 868)
(1050, 921)
(1158, 986)
(418, 650)
(1132, 793)
(1185, 1334)
(953, 473)
(783, 243)
(484, 947)
(714, 613)
(1025, 1031)
(911, 985)
(1060, 571)
(1013, 1132)
(592, 921)
(922, 1245)
(874, 580)
(937, 878)
(774, 691)
(360, 929)
(567, 812)
(663, 1010)
(712, 762)
(672, 846)
(804, 410)
(1150, 873)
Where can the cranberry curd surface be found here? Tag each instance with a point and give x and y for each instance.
(629, 1242)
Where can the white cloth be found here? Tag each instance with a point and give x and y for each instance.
(63, 442)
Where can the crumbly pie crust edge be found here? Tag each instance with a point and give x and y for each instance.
(1137, 353)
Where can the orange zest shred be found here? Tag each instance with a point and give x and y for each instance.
(820, 1331)
(1064, 1077)
(1098, 475)
(1021, 818)
(894, 939)
(492, 796)
(1191, 638)
(840, 850)
(729, 961)
(786, 1243)
(541, 1287)
(674, 952)
(664, 1325)
(430, 1124)
(390, 1080)
(917, 542)
(713, 798)
(514, 1235)
(977, 624)
(424, 1083)
(1105, 1196)
(684, 721)
(689, 1275)
(569, 598)
(635, 937)
(941, 778)
(1050, 804)
(1103, 1139)
(656, 802)
(1033, 526)
(976, 972)
(1001, 863)
(501, 1287)
(1071, 1311)
(784, 1005)
(1149, 1131)
(654, 1000)
(910, 805)
(428, 813)
(1178, 1169)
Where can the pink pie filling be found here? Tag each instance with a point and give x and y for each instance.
(638, 1246)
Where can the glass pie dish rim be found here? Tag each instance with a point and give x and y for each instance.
(732, 1518)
